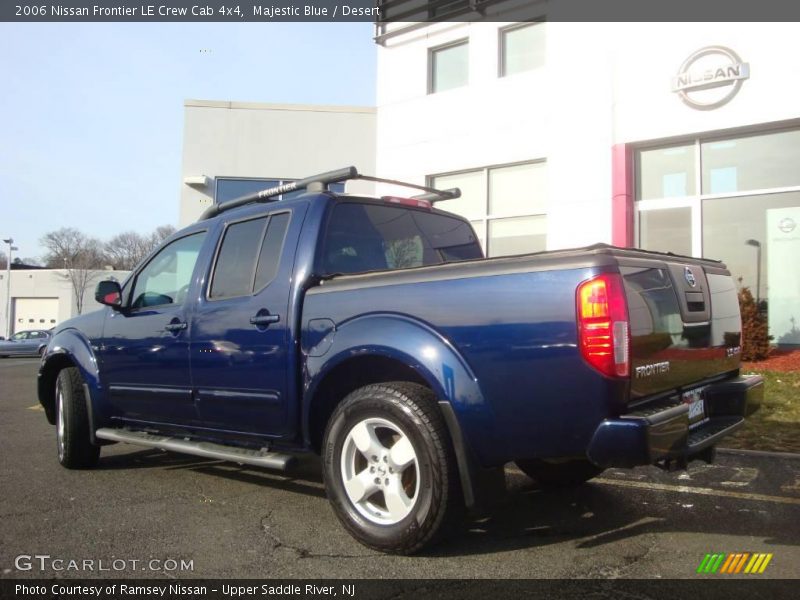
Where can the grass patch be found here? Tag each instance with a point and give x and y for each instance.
(776, 426)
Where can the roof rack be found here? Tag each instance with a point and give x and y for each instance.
(319, 183)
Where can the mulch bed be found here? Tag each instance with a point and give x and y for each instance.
(778, 360)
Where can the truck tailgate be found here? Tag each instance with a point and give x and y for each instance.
(685, 327)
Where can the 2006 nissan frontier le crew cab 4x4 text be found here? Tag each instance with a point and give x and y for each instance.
(373, 331)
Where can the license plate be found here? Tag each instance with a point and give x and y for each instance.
(697, 406)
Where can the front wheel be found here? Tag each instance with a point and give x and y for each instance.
(559, 474)
(389, 467)
(75, 450)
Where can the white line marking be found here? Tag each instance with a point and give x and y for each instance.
(685, 489)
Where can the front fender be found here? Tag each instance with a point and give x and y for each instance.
(68, 347)
(424, 350)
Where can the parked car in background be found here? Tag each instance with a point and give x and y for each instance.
(25, 343)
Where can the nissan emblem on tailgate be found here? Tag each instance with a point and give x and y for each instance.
(687, 273)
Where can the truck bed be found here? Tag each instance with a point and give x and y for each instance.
(513, 319)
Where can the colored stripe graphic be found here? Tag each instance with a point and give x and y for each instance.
(741, 563)
(733, 563)
(765, 563)
(703, 563)
(732, 560)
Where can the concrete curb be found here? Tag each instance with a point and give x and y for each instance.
(791, 455)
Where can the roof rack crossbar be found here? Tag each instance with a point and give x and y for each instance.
(318, 183)
(315, 182)
(432, 194)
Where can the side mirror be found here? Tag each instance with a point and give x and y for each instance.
(109, 293)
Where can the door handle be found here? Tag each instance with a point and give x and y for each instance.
(264, 319)
(175, 327)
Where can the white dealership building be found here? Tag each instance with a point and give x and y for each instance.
(681, 137)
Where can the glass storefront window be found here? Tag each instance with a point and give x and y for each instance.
(756, 162)
(472, 202)
(734, 229)
(666, 172)
(746, 213)
(506, 205)
(666, 230)
(511, 187)
(517, 235)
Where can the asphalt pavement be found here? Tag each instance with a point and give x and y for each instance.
(141, 509)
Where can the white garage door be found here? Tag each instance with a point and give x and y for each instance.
(35, 313)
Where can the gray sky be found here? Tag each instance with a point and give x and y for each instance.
(91, 115)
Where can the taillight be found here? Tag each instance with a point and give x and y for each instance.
(603, 324)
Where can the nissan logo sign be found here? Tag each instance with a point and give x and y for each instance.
(710, 77)
(787, 225)
(689, 276)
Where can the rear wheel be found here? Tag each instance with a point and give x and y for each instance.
(559, 474)
(75, 450)
(389, 467)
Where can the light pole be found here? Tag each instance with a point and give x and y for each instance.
(757, 245)
(11, 248)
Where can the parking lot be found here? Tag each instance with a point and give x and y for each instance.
(232, 521)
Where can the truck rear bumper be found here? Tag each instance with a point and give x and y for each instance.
(661, 432)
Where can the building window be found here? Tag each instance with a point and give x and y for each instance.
(506, 205)
(666, 172)
(448, 67)
(228, 188)
(522, 48)
(736, 199)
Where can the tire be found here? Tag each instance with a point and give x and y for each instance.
(402, 491)
(75, 450)
(41, 351)
(559, 474)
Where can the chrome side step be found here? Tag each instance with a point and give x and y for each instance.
(245, 456)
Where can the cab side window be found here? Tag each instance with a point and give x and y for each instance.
(249, 256)
(167, 277)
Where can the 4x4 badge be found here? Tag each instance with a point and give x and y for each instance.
(687, 273)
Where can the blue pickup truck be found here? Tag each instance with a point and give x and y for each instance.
(373, 332)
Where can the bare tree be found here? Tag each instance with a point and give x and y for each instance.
(126, 250)
(160, 234)
(81, 255)
(78, 254)
(68, 246)
(27, 261)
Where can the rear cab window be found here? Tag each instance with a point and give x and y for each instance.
(362, 237)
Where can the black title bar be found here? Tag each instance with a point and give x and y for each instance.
(388, 11)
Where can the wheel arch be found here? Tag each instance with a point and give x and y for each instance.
(67, 349)
(410, 351)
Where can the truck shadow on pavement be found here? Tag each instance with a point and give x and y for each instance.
(589, 516)
(596, 514)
